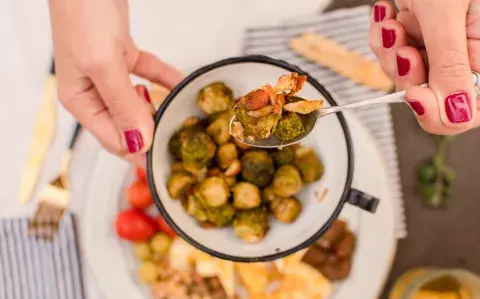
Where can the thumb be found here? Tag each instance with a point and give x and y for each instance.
(130, 113)
(450, 76)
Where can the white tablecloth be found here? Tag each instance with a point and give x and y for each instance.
(170, 29)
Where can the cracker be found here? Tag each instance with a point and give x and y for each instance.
(350, 64)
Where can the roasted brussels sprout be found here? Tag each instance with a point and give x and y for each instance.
(258, 126)
(195, 209)
(213, 191)
(218, 130)
(231, 180)
(251, 225)
(160, 244)
(246, 196)
(142, 251)
(179, 183)
(215, 97)
(197, 150)
(226, 154)
(284, 156)
(220, 216)
(287, 181)
(309, 164)
(286, 209)
(268, 195)
(257, 167)
(177, 139)
(289, 126)
(198, 173)
(148, 272)
(177, 167)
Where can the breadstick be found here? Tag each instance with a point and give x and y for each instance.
(331, 54)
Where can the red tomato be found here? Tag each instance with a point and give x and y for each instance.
(134, 225)
(139, 195)
(141, 174)
(164, 227)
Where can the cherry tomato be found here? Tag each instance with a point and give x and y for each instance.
(164, 227)
(135, 226)
(141, 174)
(139, 195)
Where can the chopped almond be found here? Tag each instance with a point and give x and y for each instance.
(304, 107)
(261, 112)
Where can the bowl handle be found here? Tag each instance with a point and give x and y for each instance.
(363, 201)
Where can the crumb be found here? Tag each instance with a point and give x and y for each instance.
(321, 197)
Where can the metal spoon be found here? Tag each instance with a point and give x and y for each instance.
(310, 120)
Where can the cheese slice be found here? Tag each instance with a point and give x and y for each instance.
(297, 257)
(181, 255)
(255, 277)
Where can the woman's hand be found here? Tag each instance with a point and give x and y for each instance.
(94, 55)
(434, 40)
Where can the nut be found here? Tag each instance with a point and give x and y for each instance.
(256, 100)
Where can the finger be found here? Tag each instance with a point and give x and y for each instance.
(128, 110)
(423, 102)
(382, 10)
(450, 74)
(143, 92)
(411, 69)
(393, 37)
(139, 160)
(150, 67)
(90, 111)
(411, 26)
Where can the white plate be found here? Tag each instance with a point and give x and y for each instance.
(113, 265)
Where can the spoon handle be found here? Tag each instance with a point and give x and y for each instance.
(397, 97)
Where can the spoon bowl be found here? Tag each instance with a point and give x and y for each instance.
(311, 119)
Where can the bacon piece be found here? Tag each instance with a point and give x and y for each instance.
(292, 83)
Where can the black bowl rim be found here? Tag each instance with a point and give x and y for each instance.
(289, 67)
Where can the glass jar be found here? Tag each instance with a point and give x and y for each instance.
(436, 283)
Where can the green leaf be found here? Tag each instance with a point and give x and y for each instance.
(428, 173)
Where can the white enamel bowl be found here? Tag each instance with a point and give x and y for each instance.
(330, 139)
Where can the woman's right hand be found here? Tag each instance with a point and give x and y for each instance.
(436, 41)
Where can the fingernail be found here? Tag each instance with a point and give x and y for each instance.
(403, 65)
(388, 37)
(143, 92)
(457, 108)
(379, 13)
(417, 107)
(134, 141)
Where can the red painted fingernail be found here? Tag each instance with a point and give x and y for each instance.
(134, 141)
(417, 107)
(143, 92)
(403, 65)
(457, 108)
(388, 37)
(379, 13)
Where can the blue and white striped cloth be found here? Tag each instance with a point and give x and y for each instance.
(38, 269)
(349, 27)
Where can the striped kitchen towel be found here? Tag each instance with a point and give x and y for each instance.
(349, 27)
(38, 269)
